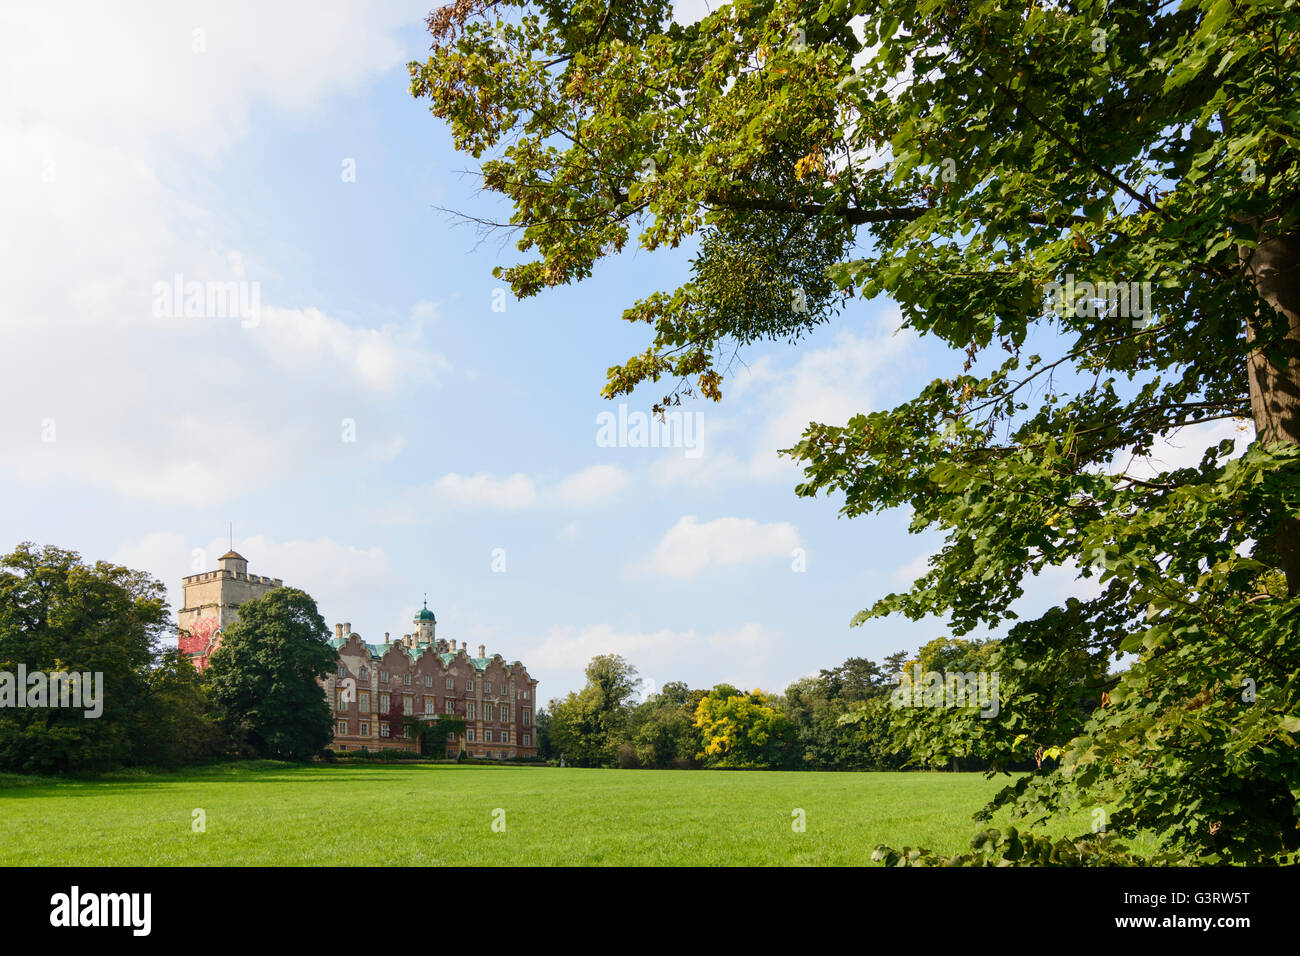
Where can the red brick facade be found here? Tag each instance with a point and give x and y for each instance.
(496, 698)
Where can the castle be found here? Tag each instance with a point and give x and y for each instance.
(422, 674)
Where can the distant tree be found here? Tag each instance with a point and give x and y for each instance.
(842, 716)
(176, 722)
(587, 726)
(661, 730)
(745, 730)
(542, 734)
(265, 675)
(58, 614)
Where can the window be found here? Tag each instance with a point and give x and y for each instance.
(406, 679)
(383, 677)
(451, 683)
(528, 740)
(365, 729)
(343, 670)
(487, 711)
(365, 674)
(505, 713)
(341, 699)
(469, 685)
(385, 703)
(428, 681)
(429, 703)
(469, 734)
(487, 736)
(342, 728)
(385, 731)
(525, 695)
(365, 701)
(528, 717)
(487, 688)
(408, 704)
(450, 706)
(469, 710)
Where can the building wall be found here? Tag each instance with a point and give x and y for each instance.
(512, 735)
(211, 601)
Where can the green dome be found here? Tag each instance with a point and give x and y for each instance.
(425, 615)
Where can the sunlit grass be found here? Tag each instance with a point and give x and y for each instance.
(439, 815)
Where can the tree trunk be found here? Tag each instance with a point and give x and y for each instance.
(1274, 268)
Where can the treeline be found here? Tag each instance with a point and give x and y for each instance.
(92, 635)
(860, 715)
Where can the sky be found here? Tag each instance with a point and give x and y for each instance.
(374, 429)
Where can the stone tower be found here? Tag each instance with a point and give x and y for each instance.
(211, 602)
(425, 625)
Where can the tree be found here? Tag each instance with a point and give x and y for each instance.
(661, 730)
(265, 675)
(59, 615)
(587, 726)
(744, 730)
(176, 722)
(1094, 205)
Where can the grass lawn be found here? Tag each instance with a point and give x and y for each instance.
(439, 815)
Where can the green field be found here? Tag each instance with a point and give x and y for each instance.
(439, 815)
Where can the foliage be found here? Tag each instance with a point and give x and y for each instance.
(995, 848)
(432, 735)
(744, 730)
(587, 726)
(58, 614)
(265, 675)
(661, 730)
(971, 162)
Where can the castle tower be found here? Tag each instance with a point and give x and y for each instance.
(425, 625)
(211, 602)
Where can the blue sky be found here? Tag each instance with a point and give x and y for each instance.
(211, 141)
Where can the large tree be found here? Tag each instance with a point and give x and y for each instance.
(60, 615)
(265, 675)
(587, 726)
(977, 163)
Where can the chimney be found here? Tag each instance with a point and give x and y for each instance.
(385, 637)
(347, 628)
(338, 632)
(480, 651)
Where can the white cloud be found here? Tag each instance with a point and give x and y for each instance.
(381, 359)
(828, 385)
(476, 491)
(918, 567)
(1184, 448)
(106, 194)
(731, 656)
(592, 486)
(337, 575)
(778, 401)
(689, 547)
(687, 12)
